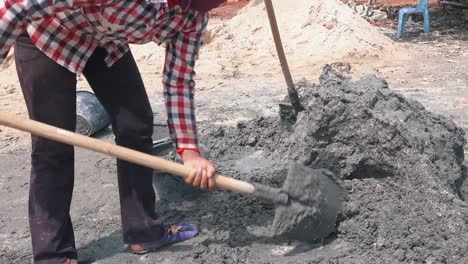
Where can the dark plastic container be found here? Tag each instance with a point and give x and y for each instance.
(170, 188)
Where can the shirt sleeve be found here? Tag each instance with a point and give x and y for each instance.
(178, 80)
(15, 13)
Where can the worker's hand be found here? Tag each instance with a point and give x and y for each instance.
(203, 171)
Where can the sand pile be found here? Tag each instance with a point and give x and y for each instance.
(313, 32)
(401, 165)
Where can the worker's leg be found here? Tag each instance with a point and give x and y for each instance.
(120, 89)
(49, 92)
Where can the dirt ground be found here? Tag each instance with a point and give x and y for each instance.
(433, 73)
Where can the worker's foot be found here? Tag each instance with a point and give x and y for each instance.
(172, 234)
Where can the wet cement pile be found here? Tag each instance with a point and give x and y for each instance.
(400, 164)
(358, 130)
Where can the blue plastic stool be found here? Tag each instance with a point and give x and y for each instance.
(423, 7)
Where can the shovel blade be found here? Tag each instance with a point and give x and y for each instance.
(315, 201)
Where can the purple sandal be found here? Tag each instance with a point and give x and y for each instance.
(172, 234)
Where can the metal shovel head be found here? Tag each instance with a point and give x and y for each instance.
(315, 200)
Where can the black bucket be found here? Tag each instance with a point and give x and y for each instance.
(170, 188)
(91, 117)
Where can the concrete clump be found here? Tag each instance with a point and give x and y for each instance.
(362, 129)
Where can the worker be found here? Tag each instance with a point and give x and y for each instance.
(56, 40)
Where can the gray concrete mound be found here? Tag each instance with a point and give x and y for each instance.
(363, 130)
(401, 165)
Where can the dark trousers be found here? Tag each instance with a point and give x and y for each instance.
(50, 94)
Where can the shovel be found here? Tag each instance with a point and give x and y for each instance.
(307, 205)
(292, 92)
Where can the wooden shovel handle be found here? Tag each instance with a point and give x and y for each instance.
(119, 152)
(278, 43)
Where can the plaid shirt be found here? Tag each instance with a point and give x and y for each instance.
(68, 31)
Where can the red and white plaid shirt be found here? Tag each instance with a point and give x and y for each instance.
(68, 31)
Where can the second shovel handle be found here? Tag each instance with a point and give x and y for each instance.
(279, 44)
(133, 156)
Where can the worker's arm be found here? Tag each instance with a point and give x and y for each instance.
(179, 84)
(179, 91)
(15, 13)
